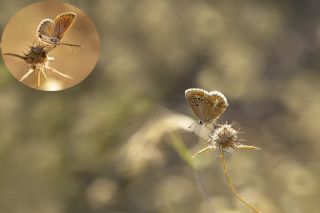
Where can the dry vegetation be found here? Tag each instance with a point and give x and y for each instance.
(117, 141)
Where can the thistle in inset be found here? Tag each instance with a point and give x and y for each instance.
(38, 60)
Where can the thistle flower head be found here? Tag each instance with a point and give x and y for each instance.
(225, 137)
(38, 59)
(37, 54)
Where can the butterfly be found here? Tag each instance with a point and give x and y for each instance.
(208, 106)
(52, 32)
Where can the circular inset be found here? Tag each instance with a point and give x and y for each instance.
(50, 46)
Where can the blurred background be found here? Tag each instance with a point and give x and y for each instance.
(119, 142)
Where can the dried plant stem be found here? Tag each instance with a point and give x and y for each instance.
(230, 183)
(16, 55)
(39, 80)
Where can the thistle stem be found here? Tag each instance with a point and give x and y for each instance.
(39, 80)
(230, 183)
(16, 55)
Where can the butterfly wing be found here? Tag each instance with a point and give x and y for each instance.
(201, 104)
(219, 104)
(62, 24)
(45, 31)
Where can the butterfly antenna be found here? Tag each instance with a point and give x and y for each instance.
(71, 45)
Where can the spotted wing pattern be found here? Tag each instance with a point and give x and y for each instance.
(208, 106)
(220, 104)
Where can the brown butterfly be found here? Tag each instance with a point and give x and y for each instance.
(208, 106)
(52, 32)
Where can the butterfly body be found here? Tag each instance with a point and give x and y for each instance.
(208, 106)
(49, 40)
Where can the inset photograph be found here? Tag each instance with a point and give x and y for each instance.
(50, 46)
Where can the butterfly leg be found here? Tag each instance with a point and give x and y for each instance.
(31, 70)
(209, 128)
(199, 122)
(191, 126)
(56, 71)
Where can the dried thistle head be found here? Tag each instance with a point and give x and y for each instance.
(38, 59)
(224, 137)
(37, 54)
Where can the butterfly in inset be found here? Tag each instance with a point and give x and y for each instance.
(52, 32)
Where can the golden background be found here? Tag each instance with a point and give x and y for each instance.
(20, 34)
(118, 143)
